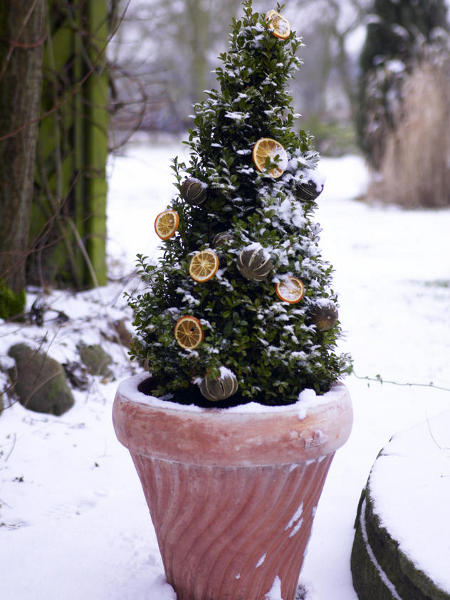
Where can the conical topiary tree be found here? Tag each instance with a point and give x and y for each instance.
(396, 38)
(240, 307)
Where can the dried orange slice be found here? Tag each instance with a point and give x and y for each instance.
(188, 332)
(166, 223)
(204, 265)
(290, 290)
(278, 25)
(269, 149)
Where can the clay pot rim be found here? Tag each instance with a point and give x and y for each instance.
(129, 388)
(244, 435)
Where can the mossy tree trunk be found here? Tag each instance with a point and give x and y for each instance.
(21, 35)
(68, 229)
(198, 42)
(395, 42)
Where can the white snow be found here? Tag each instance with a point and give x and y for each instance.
(289, 212)
(129, 388)
(410, 483)
(236, 115)
(308, 400)
(261, 560)
(73, 519)
(317, 177)
(381, 573)
(395, 66)
(275, 591)
(225, 372)
(296, 521)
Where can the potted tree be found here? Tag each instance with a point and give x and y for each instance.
(234, 427)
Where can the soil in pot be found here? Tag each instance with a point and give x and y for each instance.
(192, 395)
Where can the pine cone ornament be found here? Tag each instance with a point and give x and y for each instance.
(308, 190)
(219, 388)
(324, 316)
(254, 263)
(193, 191)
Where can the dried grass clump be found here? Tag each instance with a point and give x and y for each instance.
(415, 169)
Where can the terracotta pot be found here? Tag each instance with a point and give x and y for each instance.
(232, 493)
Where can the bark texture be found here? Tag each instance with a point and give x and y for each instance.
(68, 227)
(21, 37)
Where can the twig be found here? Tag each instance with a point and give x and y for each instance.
(12, 447)
(83, 251)
(433, 437)
(72, 93)
(13, 45)
(29, 46)
(380, 379)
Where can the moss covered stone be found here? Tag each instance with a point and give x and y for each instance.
(39, 381)
(95, 359)
(11, 304)
(380, 570)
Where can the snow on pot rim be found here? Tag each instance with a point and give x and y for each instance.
(249, 434)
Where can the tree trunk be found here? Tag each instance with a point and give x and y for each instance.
(342, 62)
(68, 228)
(97, 141)
(21, 38)
(199, 29)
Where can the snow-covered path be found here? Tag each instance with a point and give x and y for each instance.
(73, 520)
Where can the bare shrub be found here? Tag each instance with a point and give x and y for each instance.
(415, 169)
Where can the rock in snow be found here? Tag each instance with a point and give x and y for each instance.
(40, 381)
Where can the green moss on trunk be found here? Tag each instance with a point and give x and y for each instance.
(69, 210)
(12, 304)
(20, 92)
(97, 140)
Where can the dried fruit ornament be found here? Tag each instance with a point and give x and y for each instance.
(193, 191)
(188, 332)
(204, 266)
(324, 316)
(290, 290)
(254, 263)
(278, 25)
(222, 238)
(219, 388)
(267, 149)
(166, 224)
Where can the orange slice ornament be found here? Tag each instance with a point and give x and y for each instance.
(278, 25)
(269, 149)
(204, 266)
(188, 332)
(166, 224)
(290, 290)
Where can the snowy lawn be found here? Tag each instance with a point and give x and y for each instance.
(73, 519)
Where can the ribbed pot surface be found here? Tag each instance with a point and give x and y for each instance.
(227, 533)
(228, 524)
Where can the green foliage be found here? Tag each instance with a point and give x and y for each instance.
(273, 347)
(11, 304)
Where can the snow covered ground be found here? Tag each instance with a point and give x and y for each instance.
(73, 519)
